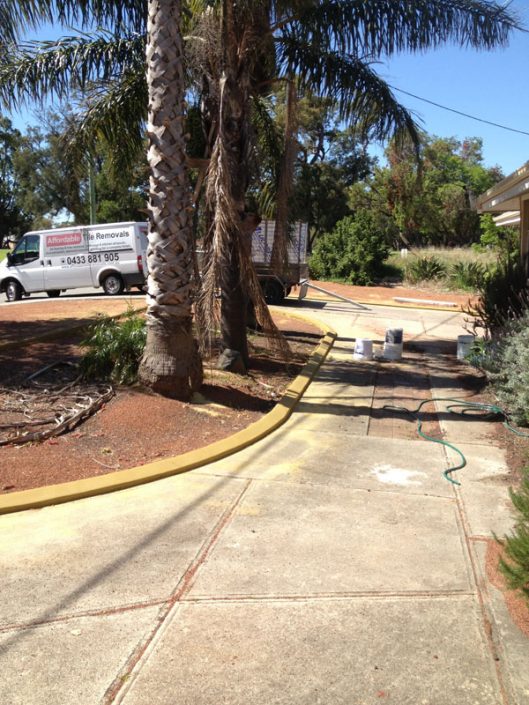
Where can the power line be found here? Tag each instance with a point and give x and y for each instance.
(459, 112)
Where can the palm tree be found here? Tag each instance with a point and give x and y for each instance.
(328, 47)
(171, 362)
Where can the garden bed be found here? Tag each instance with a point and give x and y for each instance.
(135, 426)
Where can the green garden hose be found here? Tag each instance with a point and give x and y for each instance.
(487, 411)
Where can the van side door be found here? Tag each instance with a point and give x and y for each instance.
(66, 261)
(26, 264)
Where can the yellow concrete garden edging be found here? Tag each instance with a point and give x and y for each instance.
(119, 480)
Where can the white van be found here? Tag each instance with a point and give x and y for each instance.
(112, 256)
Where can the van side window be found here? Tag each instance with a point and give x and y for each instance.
(27, 250)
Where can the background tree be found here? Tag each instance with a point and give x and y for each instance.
(52, 182)
(49, 180)
(120, 195)
(433, 205)
(13, 218)
(353, 251)
(324, 176)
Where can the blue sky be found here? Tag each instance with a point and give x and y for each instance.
(489, 85)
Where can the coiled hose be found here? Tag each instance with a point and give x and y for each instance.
(489, 412)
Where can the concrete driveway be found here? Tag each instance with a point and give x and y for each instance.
(329, 563)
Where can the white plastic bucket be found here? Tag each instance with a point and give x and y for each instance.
(392, 351)
(464, 344)
(363, 349)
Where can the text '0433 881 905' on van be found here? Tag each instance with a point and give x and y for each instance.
(110, 256)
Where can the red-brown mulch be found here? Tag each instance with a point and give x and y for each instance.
(514, 600)
(137, 427)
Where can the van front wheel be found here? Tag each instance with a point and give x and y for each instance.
(54, 293)
(13, 291)
(113, 285)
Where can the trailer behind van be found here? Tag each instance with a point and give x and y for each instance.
(276, 286)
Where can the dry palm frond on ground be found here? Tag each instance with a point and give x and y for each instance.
(50, 402)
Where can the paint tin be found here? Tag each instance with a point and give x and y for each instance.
(363, 349)
(393, 344)
(392, 351)
(464, 345)
(394, 335)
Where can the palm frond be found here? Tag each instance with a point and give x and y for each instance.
(17, 17)
(53, 69)
(363, 99)
(266, 199)
(384, 27)
(267, 133)
(218, 239)
(115, 112)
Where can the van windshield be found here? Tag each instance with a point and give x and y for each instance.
(27, 250)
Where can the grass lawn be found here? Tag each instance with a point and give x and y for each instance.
(3, 253)
(448, 257)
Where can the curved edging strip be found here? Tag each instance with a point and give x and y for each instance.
(88, 487)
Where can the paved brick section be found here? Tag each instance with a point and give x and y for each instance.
(329, 563)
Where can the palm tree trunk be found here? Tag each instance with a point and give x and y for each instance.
(228, 178)
(234, 309)
(279, 258)
(227, 244)
(171, 364)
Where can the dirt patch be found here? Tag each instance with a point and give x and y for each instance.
(514, 601)
(28, 319)
(387, 293)
(136, 427)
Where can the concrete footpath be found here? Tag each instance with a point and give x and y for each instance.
(329, 563)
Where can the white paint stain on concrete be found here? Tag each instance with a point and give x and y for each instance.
(390, 475)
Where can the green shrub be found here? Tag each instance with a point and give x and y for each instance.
(504, 240)
(509, 369)
(424, 268)
(467, 275)
(503, 295)
(114, 349)
(483, 355)
(354, 251)
(515, 562)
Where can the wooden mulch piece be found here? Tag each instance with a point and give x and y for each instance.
(51, 401)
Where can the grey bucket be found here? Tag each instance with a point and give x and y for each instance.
(394, 335)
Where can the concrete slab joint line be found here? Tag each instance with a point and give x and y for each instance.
(122, 683)
(123, 479)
